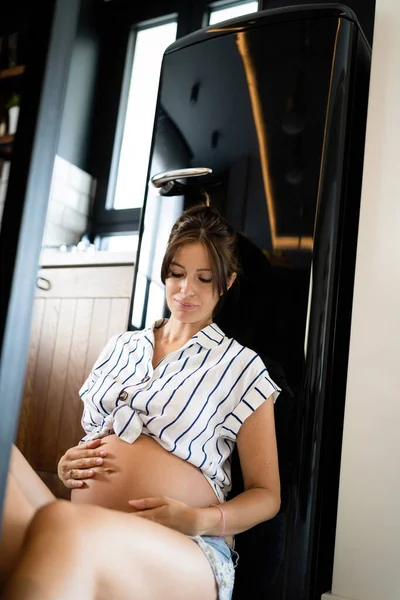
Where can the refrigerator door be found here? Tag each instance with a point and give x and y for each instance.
(266, 105)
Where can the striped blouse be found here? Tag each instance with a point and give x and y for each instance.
(192, 403)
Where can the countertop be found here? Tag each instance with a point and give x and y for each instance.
(56, 258)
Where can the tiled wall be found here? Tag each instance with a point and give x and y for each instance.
(69, 203)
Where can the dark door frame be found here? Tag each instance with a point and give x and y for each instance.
(52, 33)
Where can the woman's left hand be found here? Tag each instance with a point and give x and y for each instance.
(166, 511)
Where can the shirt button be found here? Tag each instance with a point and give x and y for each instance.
(123, 395)
(146, 379)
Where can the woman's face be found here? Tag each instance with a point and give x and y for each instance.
(191, 295)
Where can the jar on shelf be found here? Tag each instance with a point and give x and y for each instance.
(13, 113)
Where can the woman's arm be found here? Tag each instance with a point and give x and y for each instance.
(256, 443)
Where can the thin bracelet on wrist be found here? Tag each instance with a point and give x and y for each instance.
(223, 519)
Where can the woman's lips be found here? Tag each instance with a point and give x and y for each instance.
(185, 305)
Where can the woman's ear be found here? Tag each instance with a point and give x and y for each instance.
(232, 280)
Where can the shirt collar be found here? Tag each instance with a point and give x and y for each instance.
(209, 337)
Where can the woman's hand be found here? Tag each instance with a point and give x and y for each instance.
(168, 512)
(77, 463)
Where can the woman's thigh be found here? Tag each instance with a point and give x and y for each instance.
(131, 558)
(29, 482)
(142, 559)
(166, 566)
(17, 514)
(25, 494)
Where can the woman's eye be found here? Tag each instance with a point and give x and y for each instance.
(205, 280)
(175, 274)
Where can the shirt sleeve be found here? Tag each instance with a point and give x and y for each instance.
(93, 418)
(256, 394)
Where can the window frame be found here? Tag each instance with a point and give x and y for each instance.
(109, 220)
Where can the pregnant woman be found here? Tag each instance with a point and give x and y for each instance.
(163, 411)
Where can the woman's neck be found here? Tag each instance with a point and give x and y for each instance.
(175, 332)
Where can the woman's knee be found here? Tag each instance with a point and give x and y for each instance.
(80, 529)
(72, 521)
(57, 517)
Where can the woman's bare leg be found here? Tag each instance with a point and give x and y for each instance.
(25, 493)
(74, 552)
(17, 515)
(33, 488)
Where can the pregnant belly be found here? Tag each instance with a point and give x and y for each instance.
(140, 470)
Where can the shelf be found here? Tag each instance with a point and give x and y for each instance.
(5, 140)
(12, 72)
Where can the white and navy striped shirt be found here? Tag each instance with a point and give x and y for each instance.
(193, 403)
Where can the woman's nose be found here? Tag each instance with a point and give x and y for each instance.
(187, 286)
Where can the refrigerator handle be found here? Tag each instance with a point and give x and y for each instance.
(165, 182)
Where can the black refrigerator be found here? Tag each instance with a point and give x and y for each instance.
(264, 118)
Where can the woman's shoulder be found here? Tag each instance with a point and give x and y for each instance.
(247, 354)
(247, 360)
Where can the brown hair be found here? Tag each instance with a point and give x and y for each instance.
(204, 224)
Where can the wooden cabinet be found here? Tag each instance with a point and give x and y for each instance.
(73, 319)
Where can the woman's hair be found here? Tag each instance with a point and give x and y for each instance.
(204, 224)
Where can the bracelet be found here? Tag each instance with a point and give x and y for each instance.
(223, 519)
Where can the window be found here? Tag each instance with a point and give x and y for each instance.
(130, 185)
(236, 10)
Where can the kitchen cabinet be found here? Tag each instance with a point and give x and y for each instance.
(76, 310)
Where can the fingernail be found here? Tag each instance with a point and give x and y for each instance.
(102, 452)
(90, 473)
(99, 461)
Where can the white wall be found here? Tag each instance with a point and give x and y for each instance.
(367, 552)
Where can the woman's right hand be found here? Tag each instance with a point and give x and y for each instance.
(78, 462)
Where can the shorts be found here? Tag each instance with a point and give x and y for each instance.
(223, 561)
